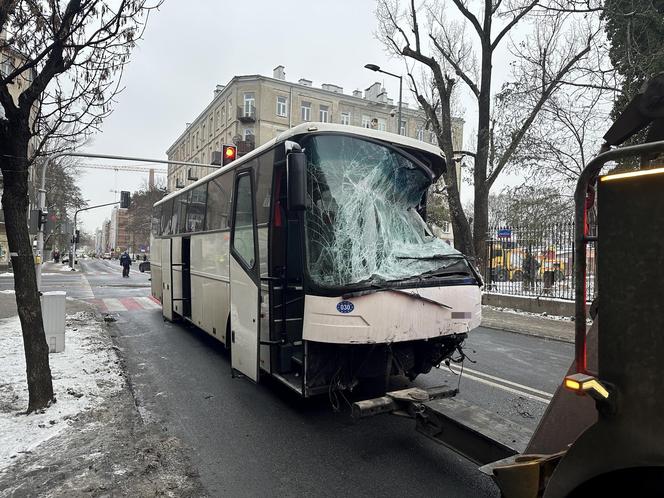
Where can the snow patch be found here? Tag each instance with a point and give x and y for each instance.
(8, 291)
(85, 374)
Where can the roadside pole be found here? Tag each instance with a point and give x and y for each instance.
(42, 190)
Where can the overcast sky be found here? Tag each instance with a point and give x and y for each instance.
(189, 47)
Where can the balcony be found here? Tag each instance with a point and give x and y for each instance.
(246, 114)
(245, 146)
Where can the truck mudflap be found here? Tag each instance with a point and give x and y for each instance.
(475, 433)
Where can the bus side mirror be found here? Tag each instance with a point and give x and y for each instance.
(296, 179)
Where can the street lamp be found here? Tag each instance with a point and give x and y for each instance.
(374, 67)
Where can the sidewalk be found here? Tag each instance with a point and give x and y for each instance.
(559, 328)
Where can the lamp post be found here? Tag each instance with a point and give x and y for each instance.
(374, 67)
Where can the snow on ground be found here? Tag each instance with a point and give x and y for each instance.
(529, 313)
(84, 375)
(8, 291)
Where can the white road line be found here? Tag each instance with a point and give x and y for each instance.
(457, 369)
(113, 304)
(146, 302)
(86, 288)
(505, 388)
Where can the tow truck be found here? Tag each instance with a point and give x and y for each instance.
(603, 431)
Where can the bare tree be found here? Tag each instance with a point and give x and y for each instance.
(457, 41)
(62, 65)
(139, 214)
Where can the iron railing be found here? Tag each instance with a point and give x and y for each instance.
(536, 261)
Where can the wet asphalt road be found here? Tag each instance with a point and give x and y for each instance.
(258, 440)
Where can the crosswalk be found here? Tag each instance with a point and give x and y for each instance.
(120, 304)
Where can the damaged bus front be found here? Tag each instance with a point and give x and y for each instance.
(382, 295)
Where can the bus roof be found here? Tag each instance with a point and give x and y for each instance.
(309, 128)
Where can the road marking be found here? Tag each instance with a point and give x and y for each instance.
(147, 302)
(86, 288)
(113, 304)
(457, 369)
(503, 387)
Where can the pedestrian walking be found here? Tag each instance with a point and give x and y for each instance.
(530, 267)
(125, 261)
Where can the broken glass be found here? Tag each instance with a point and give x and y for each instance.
(361, 221)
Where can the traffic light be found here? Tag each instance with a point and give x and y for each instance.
(125, 199)
(42, 218)
(228, 154)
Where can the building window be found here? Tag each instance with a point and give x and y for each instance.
(249, 134)
(420, 134)
(403, 129)
(306, 111)
(211, 126)
(324, 114)
(366, 121)
(282, 106)
(230, 108)
(249, 104)
(345, 118)
(382, 124)
(433, 138)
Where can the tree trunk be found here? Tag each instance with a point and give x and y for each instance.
(463, 240)
(481, 228)
(15, 206)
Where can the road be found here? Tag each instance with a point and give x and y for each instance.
(251, 440)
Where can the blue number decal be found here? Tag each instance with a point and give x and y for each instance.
(345, 306)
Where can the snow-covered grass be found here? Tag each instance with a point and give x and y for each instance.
(544, 314)
(85, 374)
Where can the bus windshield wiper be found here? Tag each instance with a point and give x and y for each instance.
(453, 257)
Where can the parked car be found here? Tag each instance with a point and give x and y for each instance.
(144, 266)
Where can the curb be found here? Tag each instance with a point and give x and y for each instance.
(513, 330)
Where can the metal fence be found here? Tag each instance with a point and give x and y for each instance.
(536, 261)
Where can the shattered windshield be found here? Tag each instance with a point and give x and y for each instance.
(361, 220)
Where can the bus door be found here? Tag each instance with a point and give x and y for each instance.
(244, 276)
(166, 279)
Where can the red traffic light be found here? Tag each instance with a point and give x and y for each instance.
(228, 154)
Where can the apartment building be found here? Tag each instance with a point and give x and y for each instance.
(251, 110)
(118, 236)
(10, 59)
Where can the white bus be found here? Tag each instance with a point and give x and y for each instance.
(310, 259)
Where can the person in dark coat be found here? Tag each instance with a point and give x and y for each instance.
(125, 261)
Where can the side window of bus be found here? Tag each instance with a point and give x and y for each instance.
(183, 201)
(218, 202)
(243, 226)
(166, 217)
(155, 224)
(174, 217)
(264, 187)
(196, 213)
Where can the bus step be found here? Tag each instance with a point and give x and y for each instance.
(297, 358)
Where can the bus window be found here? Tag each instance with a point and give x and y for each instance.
(166, 217)
(174, 216)
(243, 227)
(264, 187)
(196, 213)
(218, 202)
(184, 200)
(155, 224)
